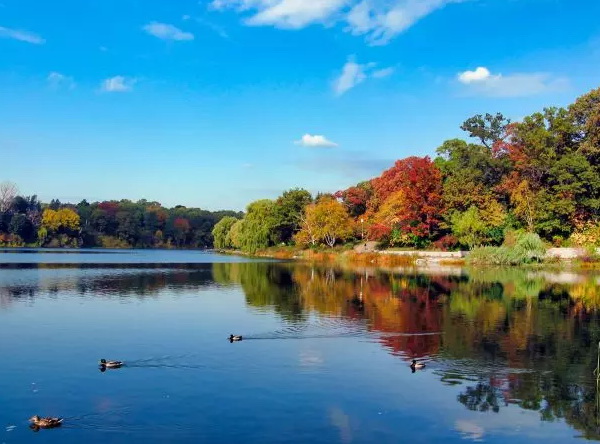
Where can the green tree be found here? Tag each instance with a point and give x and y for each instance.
(221, 231)
(234, 237)
(585, 114)
(22, 226)
(489, 128)
(258, 230)
(469, 228)
(289, 208)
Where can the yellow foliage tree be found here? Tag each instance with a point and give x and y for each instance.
(523, 197)
(63, 219)
(391, 207)
(325, 221)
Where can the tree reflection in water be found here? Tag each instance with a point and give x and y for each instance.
(516, 337)
(528, 340)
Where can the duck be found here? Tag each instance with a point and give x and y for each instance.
(45, 423)
(235, 338)
(111, 364)
(416, 365)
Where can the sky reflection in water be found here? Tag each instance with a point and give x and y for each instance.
(325, 356)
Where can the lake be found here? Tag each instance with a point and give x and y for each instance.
(509, 353)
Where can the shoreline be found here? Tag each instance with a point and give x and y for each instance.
(426, 259)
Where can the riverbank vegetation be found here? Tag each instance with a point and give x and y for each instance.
(25, 221)
(521, 186)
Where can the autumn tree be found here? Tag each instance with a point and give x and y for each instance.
(420, 183)
(552, 184)
(181, 227)
(356, 199)
(64, 220)
(325, 221)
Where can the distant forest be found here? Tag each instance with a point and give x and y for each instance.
(25, 221)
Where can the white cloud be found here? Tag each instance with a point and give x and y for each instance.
(383, 73)
(354, 74)
(117, 84)
(57, 80)
(378, 20)
(480, 74)
(292, 14)
(315, 141)
(24, 36)
(482, 81)
(165, 31)
(296, 13)
(213, 27)
(383, 20)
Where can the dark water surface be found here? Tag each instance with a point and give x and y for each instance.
(510, 353)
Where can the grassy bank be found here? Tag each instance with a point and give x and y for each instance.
(525, 252)
(330, 256)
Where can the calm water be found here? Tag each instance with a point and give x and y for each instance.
(324, 360)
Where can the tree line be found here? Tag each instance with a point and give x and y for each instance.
(25, 221)
(540, 175)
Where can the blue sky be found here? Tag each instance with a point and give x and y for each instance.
(217, 103)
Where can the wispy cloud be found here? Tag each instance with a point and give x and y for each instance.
(383, 73)
(292, 14)
(24, 36)
(57, 80)
(117, 84)
(315, 141)
(378, 20)
(207, 24)
(165, 31)
(482, 81)
(354, 74)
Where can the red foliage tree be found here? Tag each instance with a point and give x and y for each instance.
(421, 182)
(109, 208)
(356, 198)
(181, 224)
(378, 232)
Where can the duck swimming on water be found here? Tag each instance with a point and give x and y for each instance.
(111, 364)
(416, 365)
(45, 423)
(235, 338)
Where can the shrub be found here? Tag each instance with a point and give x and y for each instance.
(519, 248)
